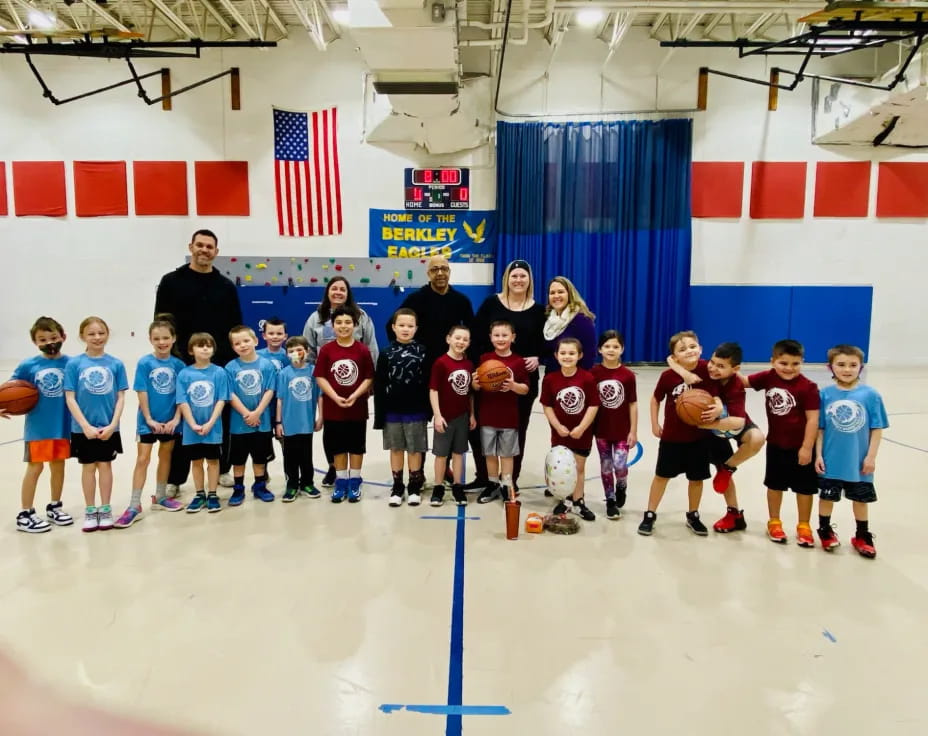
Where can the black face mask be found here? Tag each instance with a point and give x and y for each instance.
(51, 348)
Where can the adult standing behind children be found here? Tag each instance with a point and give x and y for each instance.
(567, 315)
(201, 300)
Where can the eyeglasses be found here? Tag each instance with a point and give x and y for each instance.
(440, 269)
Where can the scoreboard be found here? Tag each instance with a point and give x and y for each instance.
(437, 189)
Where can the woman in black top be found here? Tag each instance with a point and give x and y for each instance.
(515, 304)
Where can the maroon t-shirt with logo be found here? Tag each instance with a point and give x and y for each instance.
(670, 386)
(617, 391)
(451, 379)
(500, 409)
(345, 368)
(787, 403)
(731, 393)
(570, 397)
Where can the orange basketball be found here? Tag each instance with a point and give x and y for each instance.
(691, 404)
(491, 374)
(18, 397)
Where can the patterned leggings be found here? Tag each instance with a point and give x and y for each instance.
(613, 461)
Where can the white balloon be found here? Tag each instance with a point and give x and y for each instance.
(560, 471)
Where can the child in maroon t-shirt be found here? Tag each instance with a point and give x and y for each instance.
(571, 400)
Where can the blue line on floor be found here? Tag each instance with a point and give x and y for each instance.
(463, 710)
(456, 658)
(828, 635)
(452, 518)
(903, 444)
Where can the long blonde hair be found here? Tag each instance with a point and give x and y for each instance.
(524, 265)
(575, 302)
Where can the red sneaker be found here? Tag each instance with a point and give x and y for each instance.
(733, 521)
(864, 545)
(804, 536)
(775, 531)
(722, 479)
(829, 539)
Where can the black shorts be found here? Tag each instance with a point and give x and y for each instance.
(88, 451)
(203, 451)
(150, 438)
(339, 437)
(829, 489)
(784, 472)
(691, 458)
(256, 444)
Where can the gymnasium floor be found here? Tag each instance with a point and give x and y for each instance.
(314, 618)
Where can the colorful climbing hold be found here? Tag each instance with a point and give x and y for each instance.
(247, 277)
(365, 280)
(338, 266)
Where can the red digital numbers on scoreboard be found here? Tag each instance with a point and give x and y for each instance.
(461, 194)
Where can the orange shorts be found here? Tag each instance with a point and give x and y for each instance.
(46, 451)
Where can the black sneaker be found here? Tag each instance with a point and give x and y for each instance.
(647, 524)
(328, 481)
(477, 485)
(560, 509)
(457, 492)
(490, 493)
(438, 496)
(695, 525)
(620, 498)
(548, 494)
(580, 509)
(612, 509)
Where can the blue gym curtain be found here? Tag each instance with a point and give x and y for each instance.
(606, 204)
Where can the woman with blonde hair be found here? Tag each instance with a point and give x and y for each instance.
(567, 315)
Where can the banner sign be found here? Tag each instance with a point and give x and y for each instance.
(461, 236)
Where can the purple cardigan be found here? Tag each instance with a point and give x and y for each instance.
(580, 327)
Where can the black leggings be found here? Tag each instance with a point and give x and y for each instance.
(298, 460)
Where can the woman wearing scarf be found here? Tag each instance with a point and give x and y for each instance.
(567, 315)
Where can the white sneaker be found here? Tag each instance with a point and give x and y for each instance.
(58, 515)
(91, 522)
(396, 500)
(172, 490)
(30, 522)
(226, 480)
(414, 499)
(104, 520)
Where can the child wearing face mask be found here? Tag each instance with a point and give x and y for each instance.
(299, 414)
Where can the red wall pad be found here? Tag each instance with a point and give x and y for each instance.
(778, 190)
(222, 188)
(842, 189)
(160, 187)
(4, 211)
(902, 190)
(38, 188)
(718, 188)
(100, 189)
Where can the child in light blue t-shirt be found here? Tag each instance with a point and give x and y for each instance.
(95, 385)
(851, 423)
(202, 391)
(275, 335)
(299, 414)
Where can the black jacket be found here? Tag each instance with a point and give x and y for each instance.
(436, 314)
(401, 382)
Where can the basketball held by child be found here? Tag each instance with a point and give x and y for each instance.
(492, 374)
(18, 397)
(691, 404)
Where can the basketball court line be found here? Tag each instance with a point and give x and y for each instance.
(903, 444)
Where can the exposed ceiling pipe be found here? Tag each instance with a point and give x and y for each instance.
(519, 41)
(706, 6)
(619, 29)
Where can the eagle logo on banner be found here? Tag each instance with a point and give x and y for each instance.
(477, 235)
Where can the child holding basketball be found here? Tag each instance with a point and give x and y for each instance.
(851, 424)
(345, 371)
(571, 400)
(47, 431)
(616, 425)
(499, 413)
(401, 406)
(95, 385)
(158, 418)
(452, 411)
(299, 414)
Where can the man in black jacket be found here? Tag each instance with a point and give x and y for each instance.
(201, 300)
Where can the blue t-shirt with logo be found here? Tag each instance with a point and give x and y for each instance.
(249, 381)
(200, 389)
(847, 418)
(49, 420)
(298, 393)
(158, 379)
(279, 359)
(96, 383)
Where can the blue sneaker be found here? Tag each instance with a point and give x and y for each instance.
(310, 490)
(354, 490)
(261, 492)
(212, 503)
(290, 495)
(341, 490)
(197, 504)
(238, 496)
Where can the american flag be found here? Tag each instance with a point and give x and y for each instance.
(309, 197)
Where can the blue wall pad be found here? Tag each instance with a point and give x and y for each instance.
(824, 316)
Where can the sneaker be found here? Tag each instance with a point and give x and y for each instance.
(620, 496)
(548, 494)
(863, 543)
(172, 490)
(198, 503)
(477, 484)
(561, 509)
(212, 504)
(29, 521)
(722, 479)
(328, 480)
(91, 522)
(733, 521)
(260, 491)
(238, 496)
(310, 490)
(489, 493)
(438, 496)
(580, 509)
(165, 504)
(289, 495)
(612, 509)
(129, 517)
(354, 489)
(804, 536)
(104, 520)
(57, 515)
(457, 493)
(829, 539)
(646, 527)
(695, 525)
(775, 531)
(340, 490)
(414, 499)
(226, 480)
